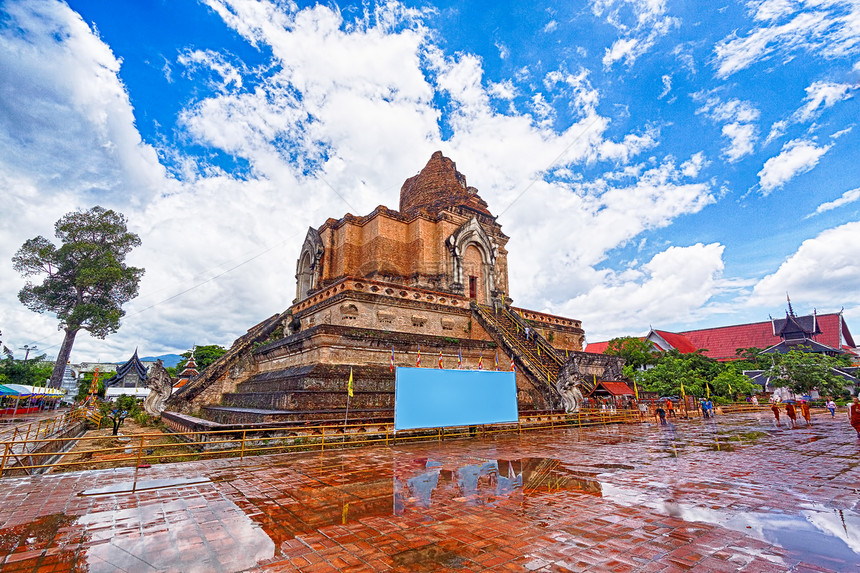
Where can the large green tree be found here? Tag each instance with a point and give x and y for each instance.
(203, 356)
(637, 353)
(86, 280)
(801, 372)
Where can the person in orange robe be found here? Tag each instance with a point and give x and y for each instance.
(855, 415)
(775, 408)
(791, 412)
(804, 409)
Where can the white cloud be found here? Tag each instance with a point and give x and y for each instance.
(502, 90)
(640, 22)
(667, 86)
(826, 28)
(229, 76)
(846, 198)
(768, 10)
(669, 288)
(797, 156)
(821, 95)
(621, 49)
(550, 27)
(823, 272)
(741, 136)
(504, 51)
(738, 128)
(777, 130)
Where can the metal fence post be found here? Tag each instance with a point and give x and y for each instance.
(322, 446)
(137, 463)
(242, 453)
(5, 456)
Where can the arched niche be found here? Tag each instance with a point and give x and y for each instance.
(309, 265)
(473, 262)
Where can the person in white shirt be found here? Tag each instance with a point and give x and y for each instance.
(831, 405)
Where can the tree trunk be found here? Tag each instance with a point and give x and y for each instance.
(63, 358)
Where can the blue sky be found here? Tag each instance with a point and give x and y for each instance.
(655, 163)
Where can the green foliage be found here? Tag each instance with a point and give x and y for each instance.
(203, 356)
(119, 409)
(86, 280)
(30, 372)
(699, 375)
(802, 372)
(635, 352)
(751, 358)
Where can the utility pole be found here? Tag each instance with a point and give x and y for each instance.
(27, 350)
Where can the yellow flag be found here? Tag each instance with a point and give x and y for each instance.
(349, 386)
(731, 392)
(682, 391)
(708, 390)
(636, 390)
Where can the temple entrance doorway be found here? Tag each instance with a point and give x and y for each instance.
(473, 267)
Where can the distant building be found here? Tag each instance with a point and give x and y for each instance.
(189, 372)
(824, 332)
(130, 378)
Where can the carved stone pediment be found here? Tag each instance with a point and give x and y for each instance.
(309, 265)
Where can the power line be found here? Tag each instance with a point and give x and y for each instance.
(551, 163)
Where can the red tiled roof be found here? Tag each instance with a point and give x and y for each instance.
(614, 388)
(597, 347)
(720, 343)
(678, 341)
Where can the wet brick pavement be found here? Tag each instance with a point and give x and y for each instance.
(734, 494)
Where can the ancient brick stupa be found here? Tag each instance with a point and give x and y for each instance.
(426, 281)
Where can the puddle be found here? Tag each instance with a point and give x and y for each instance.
(144, 485)
(34, 535)
(486, 482)
(820, 536)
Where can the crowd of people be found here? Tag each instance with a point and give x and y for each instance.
(665, 409)
(792, 409)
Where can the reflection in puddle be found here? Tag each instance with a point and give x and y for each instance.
(144, 485)
(823, 536)
(485, 482)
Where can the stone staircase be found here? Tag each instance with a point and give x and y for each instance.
(533, 354)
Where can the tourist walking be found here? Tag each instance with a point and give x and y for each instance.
(791, 412)
(670, 409)
(775, 408)
(755, 400)
(661, 413)
(854, 412)
(831, 405)
(804, 409)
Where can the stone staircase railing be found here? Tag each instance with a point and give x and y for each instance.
(537, 358)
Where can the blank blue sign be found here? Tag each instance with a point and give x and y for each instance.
(436, 398)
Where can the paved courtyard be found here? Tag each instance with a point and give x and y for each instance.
(731, 494)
